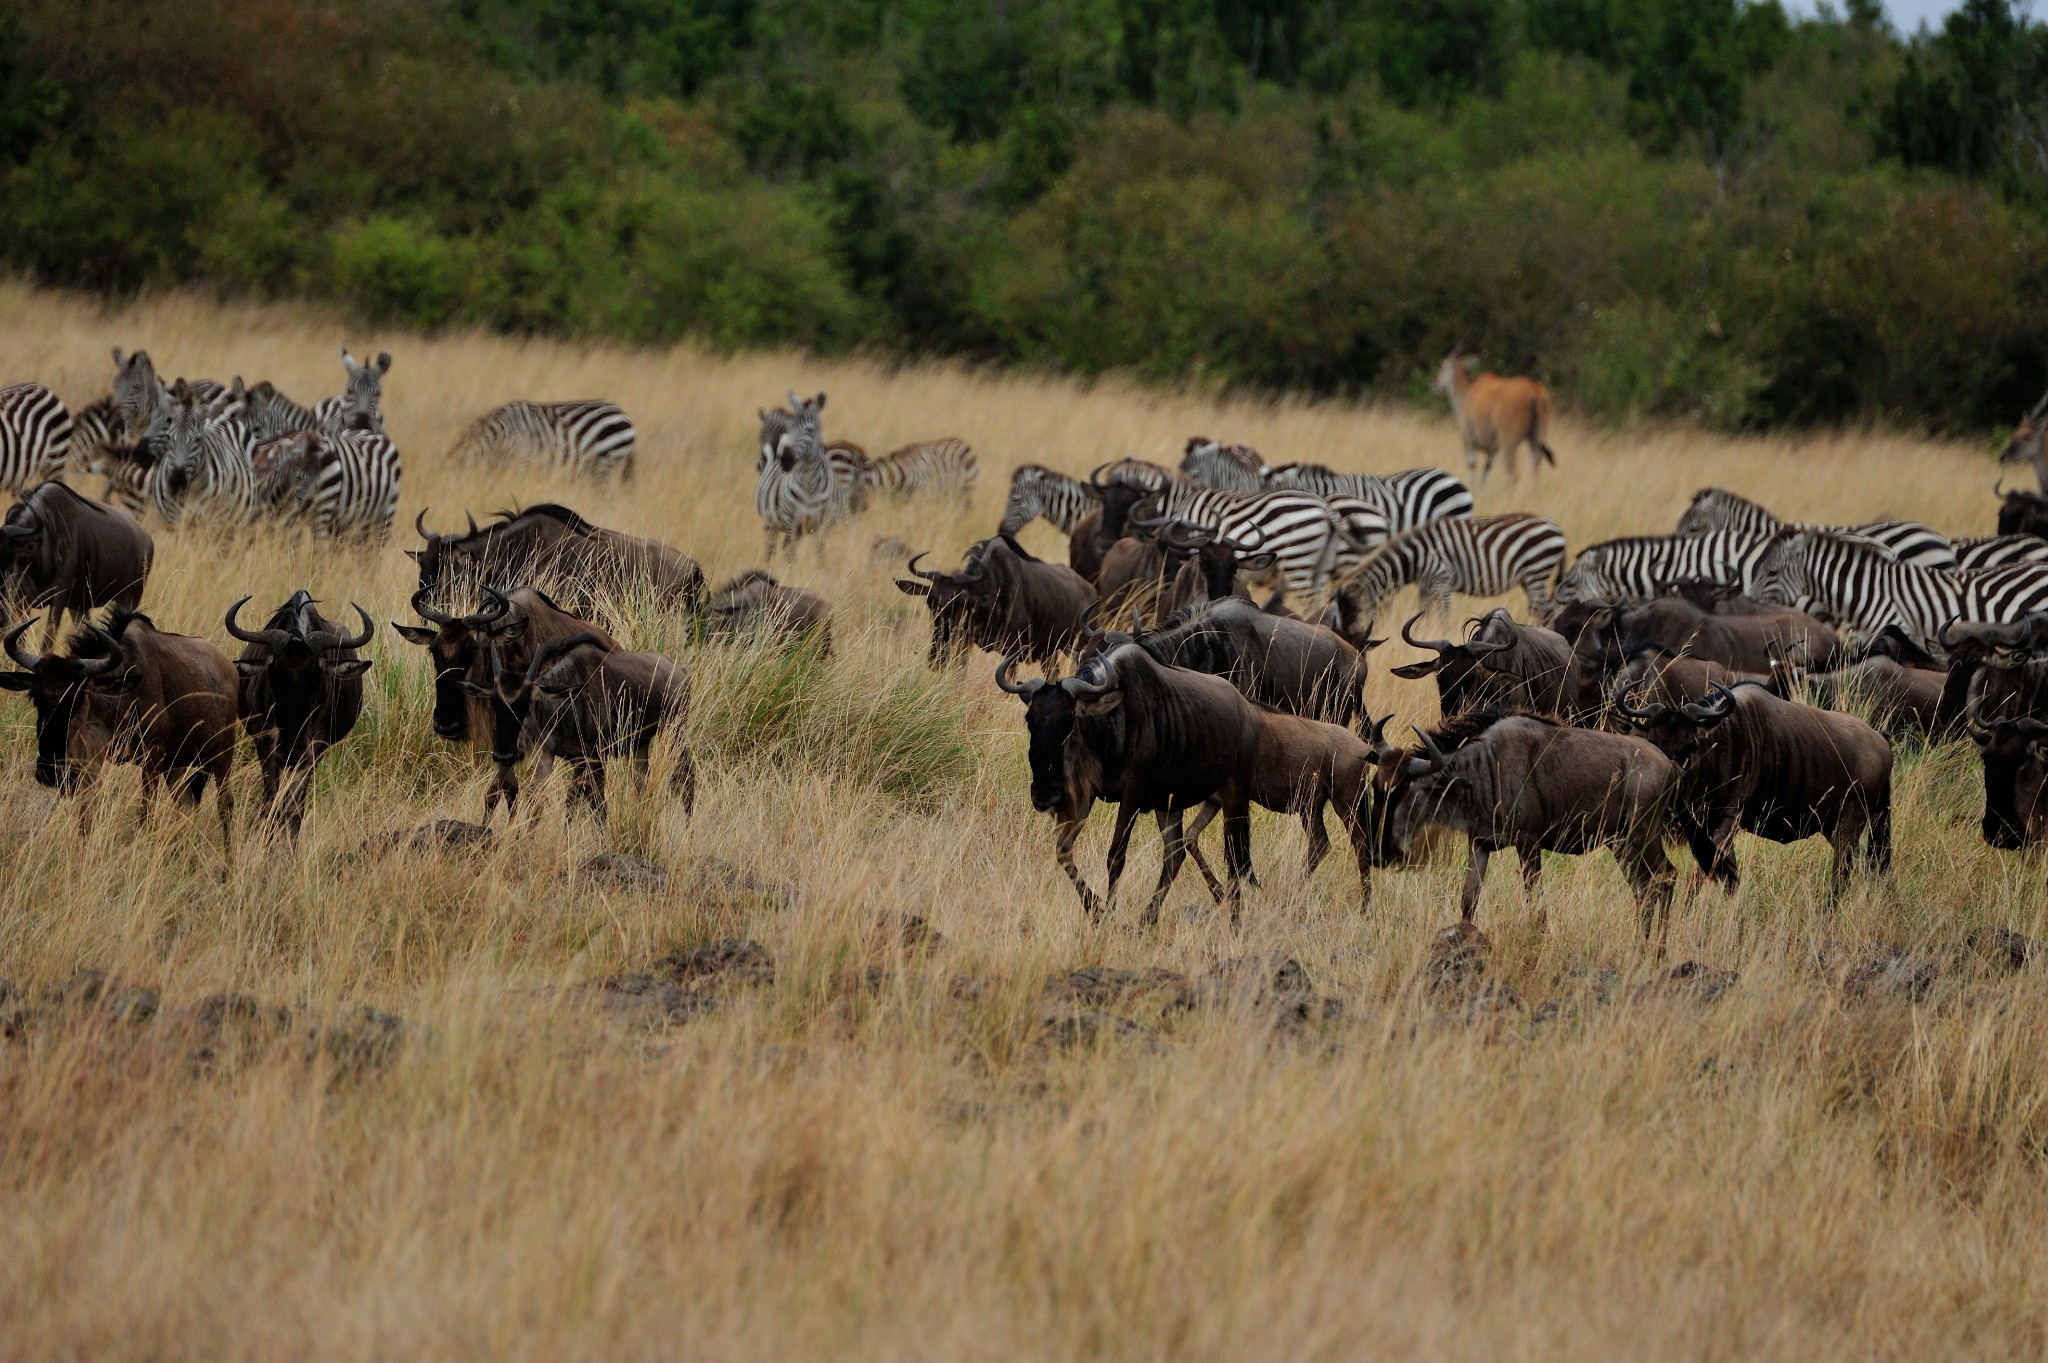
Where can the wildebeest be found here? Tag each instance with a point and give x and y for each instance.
(2023, 513)
(586, 701)
(1497, 415)
(1740, 642)
(551, 544)
(68, 553)
(1300, 668)
(131, 693)
(463, 649)
(1149, 738)
(301, 693)
(1674, 678)
(1899, 696)
(2015, 777)
(1002, 598)
(1506, 779)
(1501, 665)
(1304, 764)
(1136, 572)
(755, 603)
(1781, 770)
(1095, 534)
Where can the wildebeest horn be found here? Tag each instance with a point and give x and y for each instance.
(269, 638)
(322, 640)
(1078, 685)
(1024, 689)
(27, 661)
(1137, 621)
(1095, 474)
(1436, 754)
(1718, 702)
(429, 613)
(1941, 635)
(494, 609)
(1438, 645)
(974, 569)
(471, 519)
(1376, 730)
(419, 523)
(99, 667)
(1182, 534)
(1621, 700)
(916, 571)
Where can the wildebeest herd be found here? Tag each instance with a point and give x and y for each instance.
(1671, 688)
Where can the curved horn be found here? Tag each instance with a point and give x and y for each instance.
(1439, 645)
(1720, 700)
(494, 609)
(1376, 732)
(269, 638)
(1621, 700)
(1025, 689)
(1941, 635)
(916, 571)
(1095, 474)
(27, 661)
(1078, 685)
(1436, 754)
(322, 640)
(1180, 534)
(428, 613)
(419, 523)
(470, 518)
(99, 667)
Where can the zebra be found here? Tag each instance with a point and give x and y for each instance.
(1972, 555)
(202, 447)
(1912, 543)
(344, 484)
(138, 393)
(1227, 468)
(35, 436)
(849, 461)
(1036, 490)
(1850, 581)
(354, 409)
(98, 447)
(1638, 567)
(590, 436)
(1478, 556)
(1300, 529)
(947, 465)
(804, 487)
(1408, 499)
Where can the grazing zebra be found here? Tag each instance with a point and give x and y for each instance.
(1409, 499)
(344, 485)
(1912, 543)
(591, 437)
(1299, 529)
(35, 436)
(946, 465)
(1036, 490)
(1851, 582)
(99, 448)
(1972, 555)
(1227, 468)
(202, 446)
(1478, 556)
(804, 487)
(1638, 567)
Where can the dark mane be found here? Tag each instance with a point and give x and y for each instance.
(1643, 647)
(1454, 734)
(548, 656)
(553, 511)
(746, 579)
(84, 642)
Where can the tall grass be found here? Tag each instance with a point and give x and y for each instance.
(893, 1150)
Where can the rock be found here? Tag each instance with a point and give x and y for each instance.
(84, 987)
(1487, 1002)
(728, 960)
(721, 882)
(231, 1024)
(624, 872)
(1903, 978)
(2002, 947)
(1100, 986)
(1063, 1027)
(1690, 980)
(909, 934)
(889, 549)
(365, 1038)
(967, 988)
(133, 1003)
(1259, 980)
(1457, 961)
(432, 836)
(640, 999)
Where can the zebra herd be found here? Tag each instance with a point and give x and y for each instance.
(201, 449)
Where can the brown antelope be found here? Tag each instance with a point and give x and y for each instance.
(1496, 415)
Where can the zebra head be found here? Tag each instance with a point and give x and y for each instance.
(803, 441)
(364, 391)
(1784, 575)
(138, 393)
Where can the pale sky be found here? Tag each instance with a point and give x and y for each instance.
(1907, 15)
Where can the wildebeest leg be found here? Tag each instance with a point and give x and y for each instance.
(1475, 880)
(1653, 878)
(1318, 834)
(1237, 853)
(1203, 817)
(1848, 833)
(1360, 831)
(684, 779)
(1119, 849)
(504, 789)
(1169, 863)
(224, 801)
(1065, 833)
(587, 783)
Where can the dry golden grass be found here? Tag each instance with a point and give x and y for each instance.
(898, 1165)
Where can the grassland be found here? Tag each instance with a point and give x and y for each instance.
(910, 1152)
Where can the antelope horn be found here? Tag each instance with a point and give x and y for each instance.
(1439, 645)
(269, 638)
(99, 667)
(1376, 731)
(27, 661)
(1436, 754)
(1182, 534)
(429, 613)
(1621, 700)
(1025, 689)
(1941, 635)
(919, 572)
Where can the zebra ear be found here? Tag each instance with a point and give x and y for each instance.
(348, 361)
(383, 362)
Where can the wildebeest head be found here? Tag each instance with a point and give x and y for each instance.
(1459, 668)
(21, 540)
(57, 686)
(359, 407)
(1408, 785)
(458, 649)
(1051, 712)
(951, 598)
(2015, 772)
(1593, 629)
(1679, 732)
(298, 650)
(1217, 558)
(438, 557)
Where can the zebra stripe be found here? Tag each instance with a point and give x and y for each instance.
(353, 409)
(1408, 499)
(35, 436)
(947, 465)
(203, 448)
(343, 485)
(805, 486)
(590, 437)
(1226, 468)
(99, 448)
(1850, 581)
(1478, 556)
(1036, 491)
(1972, 555)
(1714, 508)
(1638, 567)
(1299, 529)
